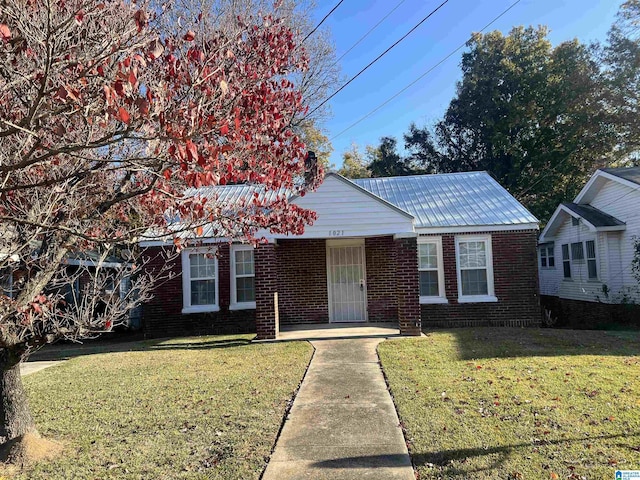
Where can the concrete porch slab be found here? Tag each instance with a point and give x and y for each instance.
(338, 331)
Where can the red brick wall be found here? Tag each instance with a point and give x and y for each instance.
(408, 286)
(162, 316)
(302, 281)
(266, 284)
(515, 271)
(382, 302)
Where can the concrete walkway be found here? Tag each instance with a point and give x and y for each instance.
(28, 368)
(343, 424)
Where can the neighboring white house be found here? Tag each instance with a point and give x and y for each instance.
(585, 252)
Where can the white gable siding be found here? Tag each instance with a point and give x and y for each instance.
(623, 203)
(579, 286)
(345, 211)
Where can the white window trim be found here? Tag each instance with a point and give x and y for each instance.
(235, 305)
(186, 282)
(596, 258)
(441, 297)
(490, 297)
(546, 249)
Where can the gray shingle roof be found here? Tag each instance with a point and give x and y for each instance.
(449, 200)
(595, 217)
(631, 174)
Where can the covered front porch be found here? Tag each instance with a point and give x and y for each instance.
(357, 263)
(334, 284)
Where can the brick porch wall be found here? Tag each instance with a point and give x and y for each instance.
(162, 315)
(408, 286)
(515, 271)
(302, 281)
(382, 301)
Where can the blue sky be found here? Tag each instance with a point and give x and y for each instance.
(426, 101)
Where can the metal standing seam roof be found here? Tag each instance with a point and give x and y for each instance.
(595, 217)
(450, 200)
(439, 200)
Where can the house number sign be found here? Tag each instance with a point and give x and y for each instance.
(336, 233)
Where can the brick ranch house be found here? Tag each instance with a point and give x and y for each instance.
(426, 250)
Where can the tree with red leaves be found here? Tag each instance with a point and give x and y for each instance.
(108, 115)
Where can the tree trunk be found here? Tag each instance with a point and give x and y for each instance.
(15, 417)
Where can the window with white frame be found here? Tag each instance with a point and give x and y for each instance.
(431, 270)
(580, 253)
(592, 268)
(547, 257)
(475, 269)
(577, 252)
(566, 262)
(243, 293)
(199, 280)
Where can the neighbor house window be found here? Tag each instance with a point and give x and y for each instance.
(566, 263)
(591, 259)
(475, 269)
(547, 257)
(431, 271)
(577, 252)
(199, 280)
(243, 292)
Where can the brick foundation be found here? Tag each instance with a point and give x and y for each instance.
(590, 315)
(515, 271)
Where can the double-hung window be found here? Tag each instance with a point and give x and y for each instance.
(547, 257)
(592, 268)
(475, 269)
(566, 263)
(430, 270)
(199, 280)
(580, 253)
(243, 293)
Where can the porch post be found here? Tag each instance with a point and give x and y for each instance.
(266, 290)
(407, 285)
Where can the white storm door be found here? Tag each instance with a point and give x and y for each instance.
(346, 278)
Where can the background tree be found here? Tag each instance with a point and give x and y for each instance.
(353, 164)
(531, 115)
(385, 161)
(621, 65)
(108, 115)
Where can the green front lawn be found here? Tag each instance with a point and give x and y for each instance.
(194, 408)
(518, 403)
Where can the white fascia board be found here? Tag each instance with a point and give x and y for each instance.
(92, 263)
(595, 178)
(169, 242)
(397, 236)
(477, 228)
(548, 234)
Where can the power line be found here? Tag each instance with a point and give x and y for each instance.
(321, 22)
(393, 97)
(378, 57)
(370, 30)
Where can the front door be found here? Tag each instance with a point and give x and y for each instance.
(346, 278)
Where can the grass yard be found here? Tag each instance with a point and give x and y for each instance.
(194, 408)
(524, 404)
